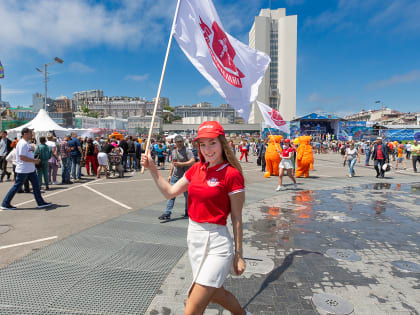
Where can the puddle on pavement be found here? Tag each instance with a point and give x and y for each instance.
(308, 219)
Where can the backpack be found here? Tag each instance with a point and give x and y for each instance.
(131, 147)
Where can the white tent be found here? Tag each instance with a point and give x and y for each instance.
(42, 124)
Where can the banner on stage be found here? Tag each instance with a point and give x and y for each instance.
(234, 69)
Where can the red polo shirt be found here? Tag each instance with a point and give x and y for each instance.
(287, 151)
(209, 190)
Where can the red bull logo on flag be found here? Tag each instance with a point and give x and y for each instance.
(222, 53)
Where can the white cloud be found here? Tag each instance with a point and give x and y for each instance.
(137, 77)
(49, 26)
(396, 79)
(206, 91)
(7, 91)
(80, 67)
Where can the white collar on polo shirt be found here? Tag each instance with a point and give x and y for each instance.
(206, 165)
(222, 167)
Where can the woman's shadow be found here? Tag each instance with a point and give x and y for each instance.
(277, 272)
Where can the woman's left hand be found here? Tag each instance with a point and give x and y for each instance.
(239, 264)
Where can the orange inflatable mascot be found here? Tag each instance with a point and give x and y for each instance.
(304, 157)
(272, 155)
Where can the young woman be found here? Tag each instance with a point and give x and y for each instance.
(351, 156)
(286, 164)
(215, 189)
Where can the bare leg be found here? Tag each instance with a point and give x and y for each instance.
(198, 299)
(290, 174)
(281, 176)
(98, 172)
(228, 301)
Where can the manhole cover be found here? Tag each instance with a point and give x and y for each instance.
(343, 218)
(332, 304)
(407, 266)
(4, 229)
(259, 265)
(342, 254)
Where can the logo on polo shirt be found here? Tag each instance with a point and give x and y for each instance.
(213, 182)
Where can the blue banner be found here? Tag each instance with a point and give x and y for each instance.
(400, 134)
(355, 130)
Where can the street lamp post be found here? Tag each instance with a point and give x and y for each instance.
(45, 73)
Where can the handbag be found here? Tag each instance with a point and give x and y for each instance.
(37, 157)
(259, 161)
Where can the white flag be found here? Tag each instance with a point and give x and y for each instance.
(234, 69)
(272, 118)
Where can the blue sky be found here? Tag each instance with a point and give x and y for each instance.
(351, 53)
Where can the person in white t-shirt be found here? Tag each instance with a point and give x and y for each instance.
(25, 169)
(408, 150)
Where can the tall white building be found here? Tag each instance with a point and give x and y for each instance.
(276, 34)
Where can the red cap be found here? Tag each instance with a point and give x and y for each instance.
(287, 140)
(210, 129)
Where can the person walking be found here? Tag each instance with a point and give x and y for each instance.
(44, 153)
(261, 153)
(65, 161)
(379, 157)
(415, 153)
(182, 159)
(138, 154)
(131, 151)
(25, 168)
(216, 189)
(103, 159)
(5, 148)
(408, 150)
(368, 152)
(54, 161)
(75, 156)
(400, 158)
(124, 145)
(243, 148)
(286, 164)
(351, 157)
(90, 157)
(161, 156)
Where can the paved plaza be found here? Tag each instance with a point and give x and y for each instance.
(102, 250)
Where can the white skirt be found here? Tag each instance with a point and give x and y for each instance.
(286, 164)
(210, 249)
(102, 158)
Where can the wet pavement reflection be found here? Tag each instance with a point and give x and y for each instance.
(380, 222)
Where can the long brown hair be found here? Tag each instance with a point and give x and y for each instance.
(228, 154)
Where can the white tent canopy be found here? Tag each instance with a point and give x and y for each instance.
(42, 124)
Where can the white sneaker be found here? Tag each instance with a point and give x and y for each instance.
(279, 188)
(295, 186)
(57, 183)
(350, 175)
(248, 313)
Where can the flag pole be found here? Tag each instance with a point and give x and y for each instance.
(160, 83)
